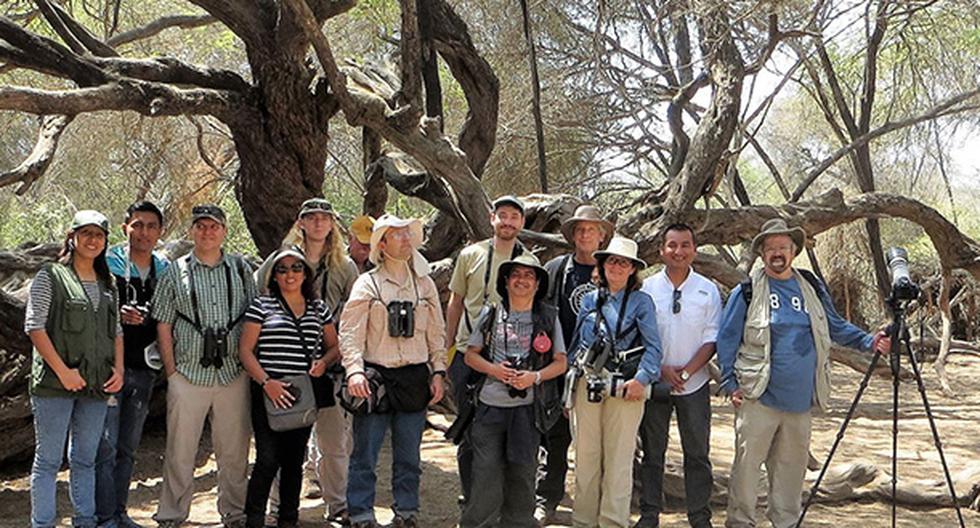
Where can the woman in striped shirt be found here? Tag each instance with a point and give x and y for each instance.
(285, 333)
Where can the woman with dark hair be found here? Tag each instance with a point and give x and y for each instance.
(78, 362)
(621, 314)
(285, 333)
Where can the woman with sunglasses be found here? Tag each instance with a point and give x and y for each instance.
(605, 430)
(72, 322)
(285, 333)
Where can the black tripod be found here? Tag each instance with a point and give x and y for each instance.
(899, 334)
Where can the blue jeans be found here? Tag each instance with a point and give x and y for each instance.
(80, 421)
(123, 430)
(406, 468)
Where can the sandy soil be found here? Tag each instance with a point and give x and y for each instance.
(868, 438)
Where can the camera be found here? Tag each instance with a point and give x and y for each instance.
(595, 388)
(517, 363)
(903, 289)
(613, 384)
(401, 319)
(215, 347)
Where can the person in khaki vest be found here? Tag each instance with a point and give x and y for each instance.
(774, 351)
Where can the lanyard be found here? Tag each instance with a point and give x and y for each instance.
(190, 283)
(619, 321)
(132, 294)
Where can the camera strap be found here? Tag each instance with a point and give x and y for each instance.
(377, 288)
(193, 292)
(601, 301)
(515, 252)
(297, 323)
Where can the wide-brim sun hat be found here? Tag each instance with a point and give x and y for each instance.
(528, 261)
(388, 221)
(586, 213)
(361, 228)
(778, 226)
(621, 247)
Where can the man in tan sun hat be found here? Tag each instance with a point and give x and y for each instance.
(774, 351)
(570, 278)
(359, 244)
(393, 324)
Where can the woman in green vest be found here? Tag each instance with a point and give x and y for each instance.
(77, 364)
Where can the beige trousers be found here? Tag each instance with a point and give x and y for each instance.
(332, 434)
(188, 406)
(604, 436)
(779, 440)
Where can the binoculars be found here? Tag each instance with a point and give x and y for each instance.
(215, 347)
(401, 319)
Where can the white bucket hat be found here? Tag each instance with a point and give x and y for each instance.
(388, 221)
(621, 247)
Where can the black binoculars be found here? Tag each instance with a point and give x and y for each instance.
(517, 363)
(401, 319)
(215, 347)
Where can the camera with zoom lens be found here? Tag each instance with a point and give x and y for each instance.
(903, 289)
(401, 319)
(215, 347)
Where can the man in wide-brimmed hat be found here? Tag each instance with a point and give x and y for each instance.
(570, 278)
(774, 351)
(392, 323)
(472, 287)
(518, 349)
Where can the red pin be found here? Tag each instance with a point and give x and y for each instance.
(541, 343)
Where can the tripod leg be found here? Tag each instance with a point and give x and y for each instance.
(935, 432)
(896, 347)
(839, 437)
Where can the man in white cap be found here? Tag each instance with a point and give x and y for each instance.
(471, 288)
(393, 324)
(774, 351)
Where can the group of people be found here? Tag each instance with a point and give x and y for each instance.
(578, 351)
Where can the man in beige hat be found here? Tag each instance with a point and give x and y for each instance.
(359, 245)
(471, 288)
(774, 351)
(570, 278)
(393, 324)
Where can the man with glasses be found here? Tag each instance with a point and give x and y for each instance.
(688, 316)
(774, 352)
(198, 305)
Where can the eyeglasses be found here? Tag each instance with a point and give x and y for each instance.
(676, 307)
(295, 267)
(619, 261)
(402, 234)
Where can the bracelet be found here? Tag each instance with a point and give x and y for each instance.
(264, 381)
(537, 377)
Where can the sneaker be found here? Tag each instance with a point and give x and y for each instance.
(313, 490)
(544, 515)
(338, 518)
(647, 523)
(126, 522)
(168, 524)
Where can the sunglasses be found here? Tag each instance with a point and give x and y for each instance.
(676, 307)
(296, 267)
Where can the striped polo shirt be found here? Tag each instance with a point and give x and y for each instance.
(286, 341)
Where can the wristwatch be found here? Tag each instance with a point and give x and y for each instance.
(685, 375)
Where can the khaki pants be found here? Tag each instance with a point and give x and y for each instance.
(332, 455)
(779, 440)
(188, 405)
(604, 435)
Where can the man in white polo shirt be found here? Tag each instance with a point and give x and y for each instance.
(688, 317)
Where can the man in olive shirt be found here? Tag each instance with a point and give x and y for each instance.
(471, 287)
(198, 304)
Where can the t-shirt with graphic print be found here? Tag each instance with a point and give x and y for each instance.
(511, 342)
(577, 284)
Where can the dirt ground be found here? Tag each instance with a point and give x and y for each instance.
(868, 438)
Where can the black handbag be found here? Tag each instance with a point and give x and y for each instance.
(323, 389)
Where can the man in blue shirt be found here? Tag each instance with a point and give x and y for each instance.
(774, 351)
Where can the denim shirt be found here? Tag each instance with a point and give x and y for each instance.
(639, 310)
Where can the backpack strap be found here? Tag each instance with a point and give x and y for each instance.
(807, 274)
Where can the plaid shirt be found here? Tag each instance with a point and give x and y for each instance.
(173, 297)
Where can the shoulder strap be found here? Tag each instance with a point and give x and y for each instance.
(812, 279)
(747, 291)
(66, 277)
